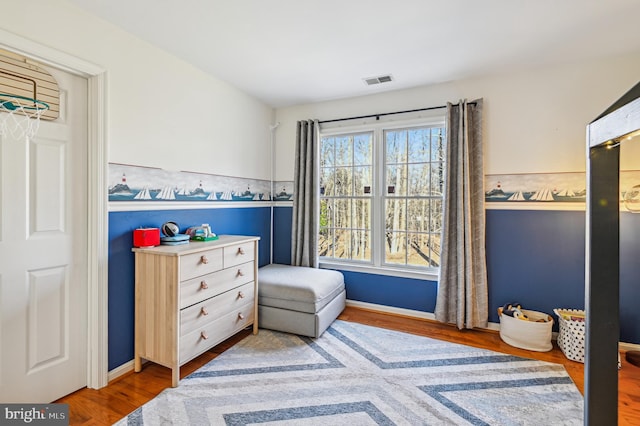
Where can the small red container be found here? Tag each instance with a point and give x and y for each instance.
(146, 237)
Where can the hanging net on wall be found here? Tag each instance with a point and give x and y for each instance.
(20, 116)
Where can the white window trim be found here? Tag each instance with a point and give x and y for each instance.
(377, 264)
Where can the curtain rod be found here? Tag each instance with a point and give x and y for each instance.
(377, 116)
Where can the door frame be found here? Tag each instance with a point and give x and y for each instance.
(97, 205)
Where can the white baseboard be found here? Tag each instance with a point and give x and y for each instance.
(121, 370)
(428, 315)
(629, 346)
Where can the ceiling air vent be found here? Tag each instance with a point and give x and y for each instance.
(377, 80)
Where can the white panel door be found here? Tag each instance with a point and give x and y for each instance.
(43, 254)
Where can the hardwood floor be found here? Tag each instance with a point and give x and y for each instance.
(123, 395)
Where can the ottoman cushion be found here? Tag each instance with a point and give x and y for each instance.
(298, 288)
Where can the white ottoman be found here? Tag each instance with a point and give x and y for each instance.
(299, 300)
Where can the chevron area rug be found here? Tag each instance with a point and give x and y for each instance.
(361, 375)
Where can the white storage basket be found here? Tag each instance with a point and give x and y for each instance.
(530, 335)
(571, 333)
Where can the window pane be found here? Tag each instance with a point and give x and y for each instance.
(395, 146)
(343, 154)
(342, 244)
(396, 181)
(362, 181)
(361, 214)
(434, 245)
(327, 184)
(362, 149)
(326, 213)
(327, 146)
(344, 181)
(419, 250)
(435, 222)
(419, 145)
(395, 215)
(418, 179)
(418, 215)
(342, 213)
(360, 245)
(325, 242)
(436, 184)
(396, 248)
(437, 144)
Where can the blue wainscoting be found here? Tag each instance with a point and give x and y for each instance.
(534, 257)
(240, 221)
(282, 235)
(629, 277)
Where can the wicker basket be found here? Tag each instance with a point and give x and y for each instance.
(530, 335)
(571, 335)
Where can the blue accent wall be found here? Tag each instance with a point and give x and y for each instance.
(406, 293)
(534, 257)
(240, 221)
(629, 277)
(282, 235)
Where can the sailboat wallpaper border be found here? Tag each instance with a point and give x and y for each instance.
(557, 191)
(146, 184)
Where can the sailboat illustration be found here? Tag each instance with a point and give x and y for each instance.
(212, 196)
(183, 191)
(143, 195)
(167, 193)
(566, 193)
(226, 195)
(516, 196)
(542, 195)
(256, 197)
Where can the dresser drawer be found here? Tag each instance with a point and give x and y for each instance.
(198, 315)
(202, 339)
(198, 289)
(201, 263)
(238, 253)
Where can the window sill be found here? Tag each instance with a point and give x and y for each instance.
(378, 270)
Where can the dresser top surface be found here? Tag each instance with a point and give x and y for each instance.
(196, 246)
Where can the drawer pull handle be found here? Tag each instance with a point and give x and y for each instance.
(240, 251)
(204, 259)
(204, 285)
(204, 335)
(240, 295)
(203, 311)
(240, 316)
(240, 273)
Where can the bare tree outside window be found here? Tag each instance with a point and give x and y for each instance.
(345, 203)
(414, 166)
(410, 170)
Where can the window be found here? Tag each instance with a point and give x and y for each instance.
(381, 197)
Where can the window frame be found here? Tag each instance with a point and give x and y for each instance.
(377, 265)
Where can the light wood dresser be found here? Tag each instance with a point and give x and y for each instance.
(190, 297)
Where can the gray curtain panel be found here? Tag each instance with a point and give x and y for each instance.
(306, 207)
(462, 288)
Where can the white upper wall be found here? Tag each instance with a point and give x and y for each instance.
(162, 112)
(535, 121)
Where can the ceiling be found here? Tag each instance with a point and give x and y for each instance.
(289, 52)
